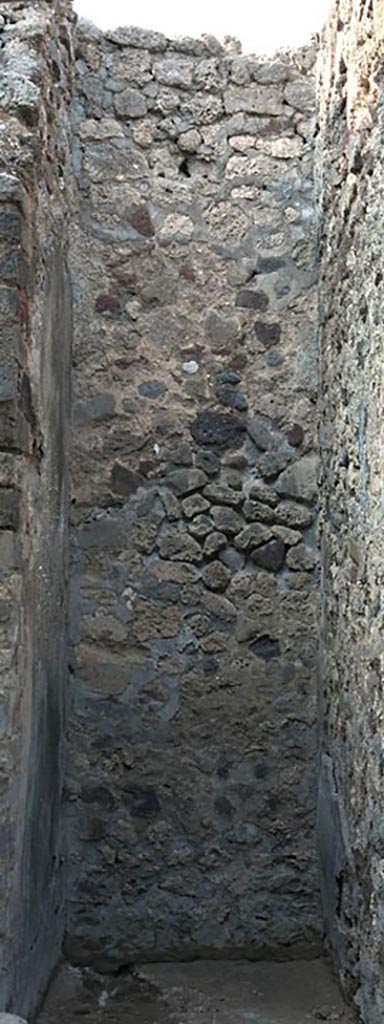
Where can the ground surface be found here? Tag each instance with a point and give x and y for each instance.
(197, 993)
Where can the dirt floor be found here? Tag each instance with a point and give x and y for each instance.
(215, 992)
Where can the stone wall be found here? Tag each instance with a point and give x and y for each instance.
(351, 188)
(35, 331)
(191, 787)
(192, 772)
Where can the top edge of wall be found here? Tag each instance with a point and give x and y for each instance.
(140, 38)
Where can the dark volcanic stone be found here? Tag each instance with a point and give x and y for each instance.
(223, 807)
(270, 464)
(226, 520)
(177, 546)
(288, 513)
(10, 226)
(142, 802)
(270, 556)
(214, 543)
(227, 395)
(268, 334)
(252, 536)
(152, 389)
(216, 576)
(97, 795)
(182, 455)
(194, 505)
(256, 510)
(266, 648)
(97, 409)
(221, 495)
(269, 264)
(217, 430)
(201, 526)
(8, 382)
(248, 299)
(239, 361)
(160, 590)
(125, 481)
(295, 435)
(208, 462)
(185, 481)
(228, 377)
(9, 508)
(10, 267)
(274, 358)
(210, 664)
(232, 559)
(264, 433)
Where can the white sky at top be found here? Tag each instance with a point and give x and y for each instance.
(261, 25)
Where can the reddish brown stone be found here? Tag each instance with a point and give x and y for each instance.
(141, 221)
(108, 304)
(295, 435)
(187, 272)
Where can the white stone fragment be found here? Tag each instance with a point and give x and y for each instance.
(99, 130)
(174, 71)
(133, 309)
(242, 142)
(253, 99)
(190, 141)
(282, 149)
(292, 215)
(143, 132)
(300, 95)
(191, 367)
(176, 227)
(11, 1018)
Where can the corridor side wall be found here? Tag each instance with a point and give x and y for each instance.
(192, 769)
(35, 337)
(351, 194)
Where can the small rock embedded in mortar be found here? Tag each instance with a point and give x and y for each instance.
(200, 526)
(216, 576)
(270, 556)
(227, 395)
(209, 462)
(248, 299)
(217, 429)
(274, 358)
(191, 367)
(214, 543)
(152, 389)
(228, 377)
(268, 334)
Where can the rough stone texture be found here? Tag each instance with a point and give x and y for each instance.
(35, 330)
(351, 193)
(10, 1018)
(191, 784)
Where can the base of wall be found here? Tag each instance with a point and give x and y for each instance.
(204, 991)
(110, 960)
